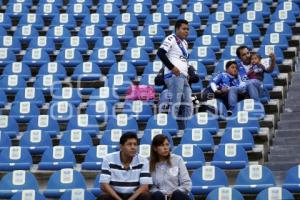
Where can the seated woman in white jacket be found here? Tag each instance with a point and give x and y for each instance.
(171, 179)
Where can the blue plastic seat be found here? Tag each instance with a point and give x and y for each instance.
(11, 43)
(84, 122)
(209, 41)
(261, 7)
(58, 33)
(149, 134)
(289, 6)
(94, 157)
(206, 3)
(138, 109)
(36, 141)
(6, 56)
(3, 99)
(69, 57)
(192, 34)
(240, 39)
(220, 17)
(111, 138)
(57, 157)
(199, 67)
(136, 56)
(17, 68)
(62, 111)
(62, 181)
(140, 10)
(96, 190)
(36, 57)
(193, 19)
(223, 193)
(157, 18)
(216, 107)
(126, 19)
(163, 121)
(9, 126)
(252, 16)
(229, 7)
(103, 57)
(57, 3)
(35, 20)
(191, 154)
(87, 3)
(77, 194)
(64, 19)
(249, 29)
(265, 50)
(275, 193)
(31, 95)
(43, 42)
(105, 93)
(24, 111)
(199, 8)
(268, 2)
(16, 10)
(147, 3)
(276, 39)
(254, 107)
(91, 33)
(122, 32)
(204, 54)
(229, 53)
(45, 123)
(96, 19)
(72, 95)
(124, 67)
(77, 140)
(153, 67)
(27, 3)
(169, 9)
(155, 32)
(11, 84)
(109, 10)
(244, 119)
(4, 141)
(122, 121)
(236, 2)
(207, 178)
(27, 194)
(230, 156)
(110, 42)
(75, 42)
(217, 30)
(15, 158)
(86, 71)
(280, 27)
(142, 42)
(199, 137)
(5, 21)
(292, 179)
(239, 136)
(53, 68)
(117, 3)
(48, 10)
(102, 110)
(148, 79)
(25, 33)
(78, 10)
(204, 120)
(47, 83)
(174, 2)
(15, 181)
(119, 82)
(254, 179)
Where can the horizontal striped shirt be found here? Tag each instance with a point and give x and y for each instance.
(125, 181)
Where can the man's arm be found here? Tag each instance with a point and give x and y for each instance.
(139, 191)
(109, 190)
(161, 53)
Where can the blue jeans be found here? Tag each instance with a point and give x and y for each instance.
(233, 96)
(176, 195)
(254, 89)
(181, 95)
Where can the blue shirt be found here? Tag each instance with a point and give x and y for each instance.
(224, 80)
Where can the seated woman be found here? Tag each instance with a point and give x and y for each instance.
(170, 176)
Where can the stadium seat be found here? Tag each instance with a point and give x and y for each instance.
(76, 42)
(193, 19)
(84, 122)
(209, 41)
(118, 82)
(216, 107)
(144, 150)
(6, 56)
(261, 7)
(17, 68)
(255, 108)
(169, 9)
(148, 79)
(109, 10)
(102, 57)
(4, 141)
(265, 50)
(229, 7)
(153, 67)
(58, 33)
(69, 57)
(33, 19)
(77, 194)
(142, 42)
(36, 141)
(15, 158)
(244, 119)
(124, 122)
(276, 39)
(254, 179)
(45, 123)
(117, 3)
(28, 194)
(140, 110)
(268, 81)
(3, 99)
(36, 57)
(77, 140)
(110, 42)
(229, 52)
(86, 71)
(91, 33)
(204, 120)
(25, 33)
(289, 6)
(280, 27)
(16, 10)
(72, 95)
(122, 32)
(217, 30)
(56, 158)
(249, 29)
(24, 111)
(239, 136)
(191, 154)
(5, 22)
(204, 54)
(157, 18)
(207, 178)
(10, 42)
(47, 83)
(199, 8)
(102, 110)
(199, 137)
(47, 10)
(94, 157)
(127, 19)
(224, 193)
(57, 3)
(27, 3)
(62, 111)
(54, 69)
(15, 181)
(177, 3)
(95, 19)
(163, 121)
(285, 16)
(43, 42)
(31, 95)
(274, 193)
(105, 93)
(96, 189)
(155, 32)
(240, 39)
(220, 17)
(112, 137)
(147, 3)
(11, 84)
(252, 16)
(136, 56)
(64, 19)
(139, 9)
(149, 134)
(292, 179)
(78, 10)
(192, 34)
(62, 181)
(199, 67)
(9, 126)
(123, 67)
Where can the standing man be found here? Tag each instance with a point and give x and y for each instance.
(173, 52)
(125, 175)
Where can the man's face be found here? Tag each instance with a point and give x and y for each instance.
(129, 147)
(183, 31)
(245, 56)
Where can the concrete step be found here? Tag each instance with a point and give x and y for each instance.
(289, 125)
(286, 141)
(274, 166)
(287, 115)
(286, 133)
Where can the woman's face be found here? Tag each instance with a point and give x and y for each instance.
(163, 150)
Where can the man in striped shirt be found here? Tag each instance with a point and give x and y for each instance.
(125, 174)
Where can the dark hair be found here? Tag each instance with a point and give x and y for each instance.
(238, 50)
(157, 141)
(256, 54)
(180, 22)
(230, 63)
(127, 136)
